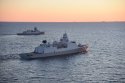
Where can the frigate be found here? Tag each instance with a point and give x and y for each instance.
(56, 48)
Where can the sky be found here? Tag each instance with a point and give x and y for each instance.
(62, 10)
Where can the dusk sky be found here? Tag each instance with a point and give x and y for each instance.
(62, 10)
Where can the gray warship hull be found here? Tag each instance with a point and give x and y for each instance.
(34, 55)
(38, 33)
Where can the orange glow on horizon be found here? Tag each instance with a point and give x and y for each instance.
(62, 10)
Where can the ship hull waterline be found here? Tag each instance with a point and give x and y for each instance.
(40, 33)
(33, 55)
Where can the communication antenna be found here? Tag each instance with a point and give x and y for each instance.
(65, 31)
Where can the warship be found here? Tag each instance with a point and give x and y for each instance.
(31, 32)
(56, 48)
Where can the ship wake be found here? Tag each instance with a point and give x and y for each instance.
(9, 56)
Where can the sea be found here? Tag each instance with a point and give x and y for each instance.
(103, 63)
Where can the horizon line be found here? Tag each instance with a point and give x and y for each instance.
(62, 21)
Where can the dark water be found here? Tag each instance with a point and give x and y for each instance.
(104, 63)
